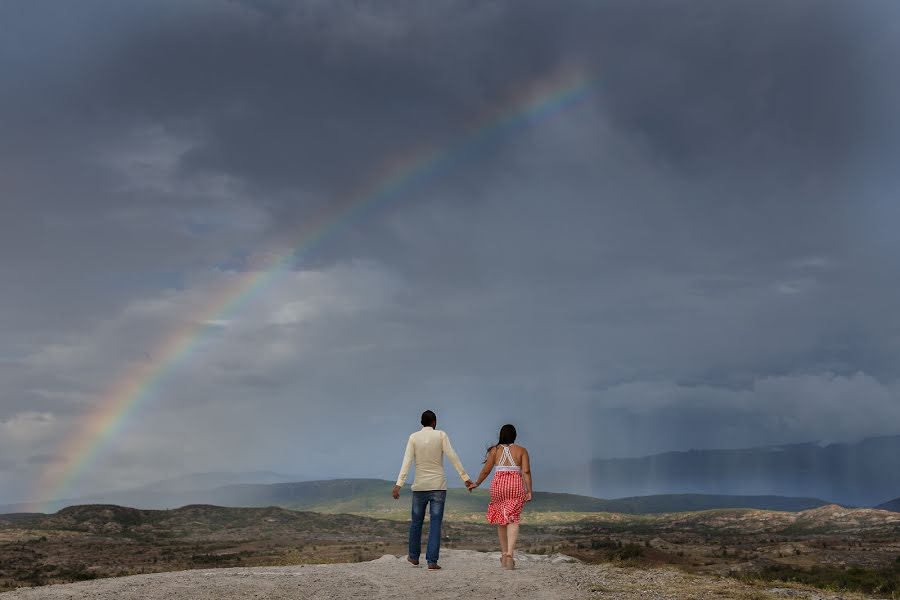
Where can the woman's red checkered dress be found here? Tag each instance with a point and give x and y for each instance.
(507, 492)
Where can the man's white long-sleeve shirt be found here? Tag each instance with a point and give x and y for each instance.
(428, 447)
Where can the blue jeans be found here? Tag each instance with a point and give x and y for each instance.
(436, 499)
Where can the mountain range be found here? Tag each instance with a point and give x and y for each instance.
(854, 474)
(786, 477)
(891, 505)
(373, 496)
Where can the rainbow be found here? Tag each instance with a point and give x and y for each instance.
(117, 407)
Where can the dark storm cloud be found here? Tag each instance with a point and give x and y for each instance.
(297, 97)
(330, 89)
(699, 242)
(303, 101)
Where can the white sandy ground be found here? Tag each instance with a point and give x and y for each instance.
(465, 574)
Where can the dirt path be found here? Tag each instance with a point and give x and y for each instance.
(466, 574)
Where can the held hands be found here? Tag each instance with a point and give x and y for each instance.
(470, 485)
(396, 492)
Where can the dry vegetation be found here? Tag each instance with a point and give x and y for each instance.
(88, 542)
(830, 547)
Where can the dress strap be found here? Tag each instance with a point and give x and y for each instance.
(506, 462)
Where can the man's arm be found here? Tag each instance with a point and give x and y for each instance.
(454, 459)
(404, 468)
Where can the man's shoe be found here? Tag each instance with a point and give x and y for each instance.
(434, 567)
(414, 563)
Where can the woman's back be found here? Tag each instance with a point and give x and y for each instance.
(508, 455)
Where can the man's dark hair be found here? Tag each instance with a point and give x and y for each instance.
(429, 419)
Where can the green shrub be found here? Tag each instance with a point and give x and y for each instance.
(884, 580)
(627, 552)
(75, 573)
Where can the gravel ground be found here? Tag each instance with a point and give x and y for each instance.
(465, 574)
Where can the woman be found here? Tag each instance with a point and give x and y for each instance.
(510, 489)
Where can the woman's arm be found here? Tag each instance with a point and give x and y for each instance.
(526, 474)
(488, 465)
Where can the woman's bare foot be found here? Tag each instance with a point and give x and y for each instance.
(509, 562)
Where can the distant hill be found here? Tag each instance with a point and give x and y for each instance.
(859, 474)
(666, 503)
(374, 495)
(892, 505)
(188, 520)
(168, 493)
(371, 496)
(201, 520)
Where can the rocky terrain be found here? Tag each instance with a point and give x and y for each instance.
(465, 574)
(830, 546)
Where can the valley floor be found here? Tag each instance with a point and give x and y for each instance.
(465, 574)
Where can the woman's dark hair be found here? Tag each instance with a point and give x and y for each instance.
(507, 436)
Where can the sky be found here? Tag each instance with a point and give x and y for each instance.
(702, 253)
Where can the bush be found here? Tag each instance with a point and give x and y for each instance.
(627, 552)
(885, 580)
(604, 544)
(76, 573)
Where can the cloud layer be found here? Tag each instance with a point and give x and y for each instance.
(699, 255)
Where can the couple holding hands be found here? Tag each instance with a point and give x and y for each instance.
(510, 488)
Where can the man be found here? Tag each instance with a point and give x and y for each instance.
(428, 446)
